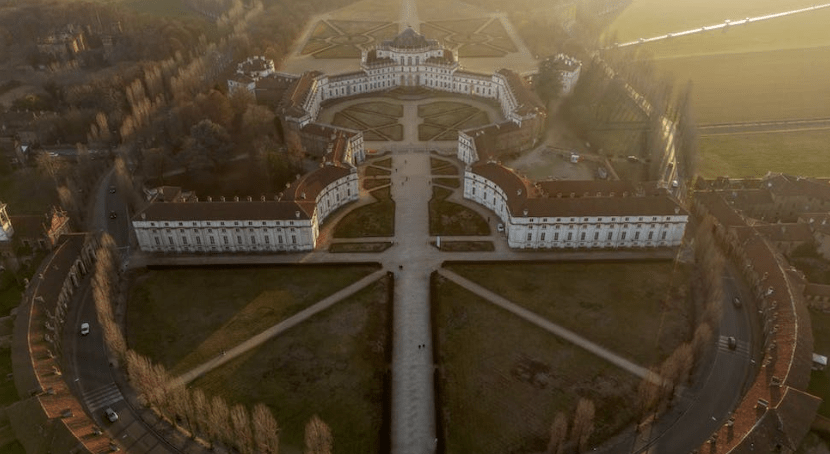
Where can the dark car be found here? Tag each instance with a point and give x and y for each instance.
(112, 189)
(113, 215)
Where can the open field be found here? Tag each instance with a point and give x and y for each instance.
(181, 317)
(638, 310)
(756, 86)
(805, 153)
(375, 219)
(332, 365)
(449, 218)
(502, 380)
(645, 18)
(820, 380)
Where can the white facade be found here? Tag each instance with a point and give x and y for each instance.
(248, 226)
(608, 222)
(570, 69)
(249, 72)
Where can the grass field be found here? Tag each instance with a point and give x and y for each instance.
(376, 219)
(331, 365)
(805, 153)
(645, 18)
(377, 120)
(181, 317)
(448, 218)
(502, 380)
(820, 380)
(620, 311)
(756, 86)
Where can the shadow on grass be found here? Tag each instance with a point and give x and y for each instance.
(448, 218)
(374, 220)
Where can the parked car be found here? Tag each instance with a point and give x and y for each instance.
(500, 228)
(112, 189)
(110, 414)
(84, 328)
(113, 215)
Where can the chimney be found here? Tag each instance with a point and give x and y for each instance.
(222, 198)
(249, 199)
(302, 195)
(297, 214)
(143, 216)
(236, 198)
(524, 212)
(262, 198)
(209, 199)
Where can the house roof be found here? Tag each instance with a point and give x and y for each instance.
(28, 226)
(523, 196)
(410, 39)
(785, 232)
(309, 186)
(527, 100)
(225, 211)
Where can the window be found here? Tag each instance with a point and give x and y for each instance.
(556, 236)
(158, 241)
(253, 239)
(238, 239)
(542, 237)
(198, 241)
(570, 236)
(650, 235)
(226, 239)
(582, 237)
(267, 240)
(610, 235)
(596, 236)
(663, 236)
(636, 235)
(212, 240)
(529, 236)
(184, 240)
(293, 239)
(622, 236)
(170, 238)
(279, 239)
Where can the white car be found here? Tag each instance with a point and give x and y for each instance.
(111, 415)
(84, 329)
(500, 228)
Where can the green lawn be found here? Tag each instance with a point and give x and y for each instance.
(375, 219)
(637, 309)
(449, 218)
(331, 365)
(820, 380)
(757, 85)
(502, 380)
(182, 317)
(645, 18)
(805, 153)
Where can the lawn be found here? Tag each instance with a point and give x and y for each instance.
(375, 219)
(757, 85)
(373, 184)
(184, 316)
(646, 18)
(450, 182)
(616, 305)
(805, 153)
(332, 365)
(820, 380)
(467, 246)
(360, 247)
(502, 380)
(448, 218)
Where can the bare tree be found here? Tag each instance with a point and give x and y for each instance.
(241, 423)
(583, 425)
(200, 407)
(266, 430)
(558, 434)
(220, 425)
(318, 439)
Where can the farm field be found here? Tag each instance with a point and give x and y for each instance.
(644, 18)
(805, 153)
(756, 86)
